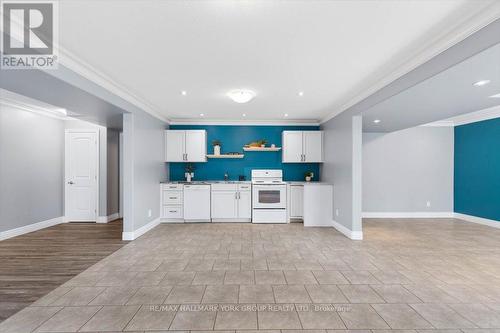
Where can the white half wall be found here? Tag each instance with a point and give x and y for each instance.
(408, 173)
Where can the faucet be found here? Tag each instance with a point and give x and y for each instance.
(226, 176)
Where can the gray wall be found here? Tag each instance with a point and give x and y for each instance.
(113, 163)
(31, 167)
(144, 168)
(342, 167)
(405, 169)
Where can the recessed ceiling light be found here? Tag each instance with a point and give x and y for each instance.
(286, 114)
(202, 114)
(495, 96)
(244, 115)
(376, 121)
(241, 95)
(481, 83)
(301, 93)
(184, 93)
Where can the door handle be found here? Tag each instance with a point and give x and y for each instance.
(70, 182)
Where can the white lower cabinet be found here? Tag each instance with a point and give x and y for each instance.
(296, 201)
(231, 203)
(171, 203)
(224, 205)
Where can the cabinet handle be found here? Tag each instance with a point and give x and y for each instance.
(172, 197)
(239, 195)
(172, 187)
(304, 157)
(186, 156)
(172, 211)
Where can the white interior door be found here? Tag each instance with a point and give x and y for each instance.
(292, 147)
(313, 146)
(81, 186)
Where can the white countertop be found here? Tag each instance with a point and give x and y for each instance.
(308, 183)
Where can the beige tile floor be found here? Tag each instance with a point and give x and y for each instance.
(408, 276)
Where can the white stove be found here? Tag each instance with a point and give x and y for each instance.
(268, 196)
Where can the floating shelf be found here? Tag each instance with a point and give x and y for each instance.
(261, 148)
(226, 156)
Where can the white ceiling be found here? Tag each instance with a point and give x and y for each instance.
(330, 50)
(445, 95)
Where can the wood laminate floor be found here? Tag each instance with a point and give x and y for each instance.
(34, 264)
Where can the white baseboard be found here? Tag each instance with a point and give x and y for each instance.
(354, 235)
(131, 235)
(109, 218)
(408, 215)
(478, 220)
(30, 228)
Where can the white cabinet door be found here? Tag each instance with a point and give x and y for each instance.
(313, 146)
(224, 205)
(245, 205)
(196, 146)
(174, 145)
(296, 201)
(292, 146)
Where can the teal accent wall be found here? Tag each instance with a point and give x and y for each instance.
(477, 169)
(233, 139)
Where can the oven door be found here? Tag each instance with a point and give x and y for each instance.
(269, 196)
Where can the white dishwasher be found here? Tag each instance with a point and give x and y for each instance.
(197, 203)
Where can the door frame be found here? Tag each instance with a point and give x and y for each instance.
(66, 166)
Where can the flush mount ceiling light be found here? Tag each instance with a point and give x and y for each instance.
(286, 114)
(241, 95)
(184, 93)
(202, 114)
(301, 93)
(481, 83)
(376, 121)
(495, 96)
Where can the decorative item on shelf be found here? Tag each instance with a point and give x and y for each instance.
(258, 143)
(309, 176)
(273, 145)
(217, 145)
(242, 178)
(189, 171)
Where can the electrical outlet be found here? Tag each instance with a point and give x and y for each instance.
(428, 203)
(337, 212)
(150, 213)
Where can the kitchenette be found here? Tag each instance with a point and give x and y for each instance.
(250, 174)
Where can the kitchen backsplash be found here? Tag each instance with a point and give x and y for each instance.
(233, 138)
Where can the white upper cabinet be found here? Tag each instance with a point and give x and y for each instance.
(196, 146)
(302, 146)
(292, 146)
(175, 146)
(313, 146)
(185, 146)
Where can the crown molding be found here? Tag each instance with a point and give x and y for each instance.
(441, 123)
(245, 122)
(475, 16)
(10, 100)
(84, 69)
(474, 117)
